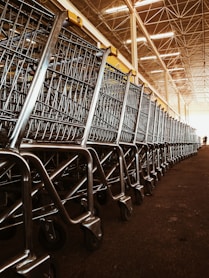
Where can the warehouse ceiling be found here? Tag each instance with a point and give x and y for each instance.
(172, 42)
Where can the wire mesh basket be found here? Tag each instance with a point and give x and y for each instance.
(107, 115)
(25, 27)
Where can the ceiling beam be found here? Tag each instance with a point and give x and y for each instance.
(150, 42)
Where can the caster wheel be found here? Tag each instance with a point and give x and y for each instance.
(102, 197)
(139, 196)
(52, 238)
(52, 271)
(148, 188)
(91, 242)
(124, 212)
(159, 175)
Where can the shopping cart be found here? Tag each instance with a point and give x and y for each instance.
(55, 134)
(26, 36)
(162, 146)
(195, 140)
(142, 145)
(188, 141)
(103, 140)
(49, 79)
(152, 143)
(169, 140)
(175, 140)
(127, 141)
(166, 140)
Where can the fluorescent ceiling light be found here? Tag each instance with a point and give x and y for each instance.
(169, 54)
(156, 71)
(139, 39)
(176, 69)
(162, 35)
(117, 9)
(145, 2)
(171, 70)
(29, 40)
(15, 31)
(148, 58)
(123, 8)
(161, 55)
(180, 79)
(154, 37)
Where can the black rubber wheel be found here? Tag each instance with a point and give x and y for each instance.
(52, 271)
(124, 212)
(102, 197)
(91, 242)
(159, 175)
(139, 196)
(148, 188)
(53, 242)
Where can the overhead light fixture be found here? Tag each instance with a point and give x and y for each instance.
(154, 37)
(175, 69)
(123, 8)
(156, 71)
(162, 35)
(148, 58)
(117, 9)
(161, 55)
(139, 39)
(170, 70)
(145, 2)
(31, 41)
(180, 79)
(14, 31)
(169, 54)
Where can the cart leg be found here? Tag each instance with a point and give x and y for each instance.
(139, 194)
(52, 234)
(125, 204)
(92, 232)
(149, 185)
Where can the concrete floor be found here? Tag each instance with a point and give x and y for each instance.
(167, 236)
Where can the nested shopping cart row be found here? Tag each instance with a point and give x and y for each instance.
(74, 131)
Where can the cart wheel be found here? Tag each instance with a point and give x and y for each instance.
(102, 197)
(163, 171)
(53, 239)
(91, 242)
(148, 188)
(154, 182)
(159, 175)
(138, 196)
(124, 212)
(52, 271)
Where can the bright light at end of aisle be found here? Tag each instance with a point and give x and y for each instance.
(201, 124)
